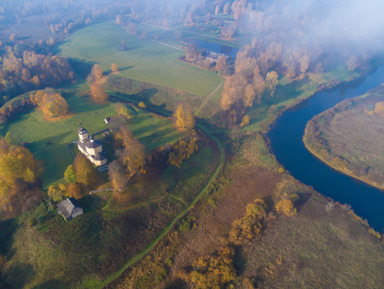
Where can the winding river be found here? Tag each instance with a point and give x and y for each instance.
(286, 142)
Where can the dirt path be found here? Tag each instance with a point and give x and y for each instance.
(206, 99)
(168, 45)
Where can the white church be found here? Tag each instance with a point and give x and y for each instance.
(91, 148)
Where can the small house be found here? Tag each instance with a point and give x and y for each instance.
(69, 209)
(107, 120)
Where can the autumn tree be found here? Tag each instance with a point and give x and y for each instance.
(221, 65)
(114, 67)
(184, 117)
(84, 171)
(74, 190)
(182, 150)
(50, 102)
(214, 271)
(248, 227)
(192, 52)
(57, 193)
(117, 175)
(69, 175)
(98, 93)
(271, 82)
(18, 171)
(132, 154)
(96, 74)
(286, 204)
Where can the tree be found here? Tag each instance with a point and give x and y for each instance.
(228, 31)
(214, 271)
(98, 93)
(221, 65)
(132, 156)
(271, 82)
(56, 193)
(181, 151)
(117, 176)
(217, 9)
(114, 67)
(184, 117)
(188, 22)
(69, 175)
(226, 8)
(84, 171)
(96, 74)
(192, 52)
(50, 102)
(73, 190)
(286, 206)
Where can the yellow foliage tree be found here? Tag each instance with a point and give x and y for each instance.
(51, 103)
(184, 117)
(286, 207)
(214, 271)
(182, 150)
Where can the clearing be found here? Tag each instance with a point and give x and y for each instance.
(143, 60)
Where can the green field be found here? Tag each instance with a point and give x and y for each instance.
(144, 60)
(349, 137)
(49, 140)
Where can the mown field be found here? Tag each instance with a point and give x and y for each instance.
(144, 60)
(49, 140)
(349, 137)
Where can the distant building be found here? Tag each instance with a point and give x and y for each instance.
(107, 120)
(91, 148)
(69, 209)
(214, 56)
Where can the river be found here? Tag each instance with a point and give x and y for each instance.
(286, 143)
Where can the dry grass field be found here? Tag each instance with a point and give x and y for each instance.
(350, 137)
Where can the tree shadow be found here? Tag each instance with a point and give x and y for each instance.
(82, 68)
(239, 261)
(125, 68)
(7, 230)
(19, 274)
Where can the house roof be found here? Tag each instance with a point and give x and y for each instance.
(93, 144)
(67, 206)
(82, 131)
(99, 157)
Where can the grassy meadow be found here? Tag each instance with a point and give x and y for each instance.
(49, 140)
(144, 60)
(349, 137)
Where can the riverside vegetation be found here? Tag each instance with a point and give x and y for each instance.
(337, 138)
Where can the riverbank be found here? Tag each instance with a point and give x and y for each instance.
(348, 137)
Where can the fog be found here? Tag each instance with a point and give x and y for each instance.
(338, 25)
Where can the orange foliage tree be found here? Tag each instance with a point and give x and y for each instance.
(51, 103)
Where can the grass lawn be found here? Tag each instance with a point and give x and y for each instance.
(49, 140)
(144, 60)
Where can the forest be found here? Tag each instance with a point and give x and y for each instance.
(181, 95)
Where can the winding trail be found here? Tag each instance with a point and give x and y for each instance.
(168, 228)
